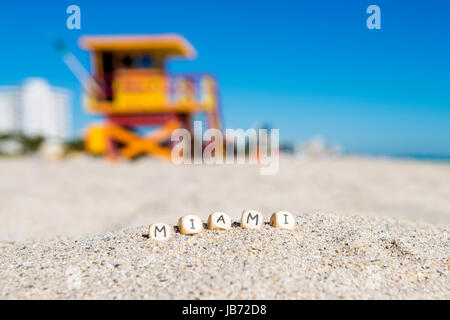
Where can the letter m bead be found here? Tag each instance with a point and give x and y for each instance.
(251, 219)
(160, 231)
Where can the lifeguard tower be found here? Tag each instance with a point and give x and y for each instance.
(132, 89)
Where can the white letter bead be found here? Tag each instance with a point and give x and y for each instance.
(251, 219)
(160, 231)
(282, 220)
(219, 221)
(190, 224)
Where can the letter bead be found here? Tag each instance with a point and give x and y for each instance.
(219, 221)
(251, 219)
(190, 224)
(283, 220)
(160, 231)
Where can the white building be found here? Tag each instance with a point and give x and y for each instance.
(36, 109)
(9, 112)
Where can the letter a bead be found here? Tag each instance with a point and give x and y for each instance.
(190, 224)
(282, 220)
(251, 219)
(219, 221)
(160, 231)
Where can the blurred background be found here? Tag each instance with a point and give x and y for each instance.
(363, 114)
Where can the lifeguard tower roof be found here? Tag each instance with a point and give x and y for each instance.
(169, 44)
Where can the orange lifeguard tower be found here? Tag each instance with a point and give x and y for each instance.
(131, 88)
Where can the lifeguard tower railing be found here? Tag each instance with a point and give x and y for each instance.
(142, 90)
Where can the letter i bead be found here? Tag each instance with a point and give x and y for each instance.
(190, 224)
(282, 220)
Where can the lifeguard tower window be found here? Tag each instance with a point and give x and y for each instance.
(111, 62)
(136, 62)
(107, 62)
(108, 70)
(143, 61)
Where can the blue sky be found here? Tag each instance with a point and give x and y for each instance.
(306, 67)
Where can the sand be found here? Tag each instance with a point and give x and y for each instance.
(367, 229)
(326, 257)
(84, 196)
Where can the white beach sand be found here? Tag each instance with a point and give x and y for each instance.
(368, 228)
(326, 256)
(81, 196)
